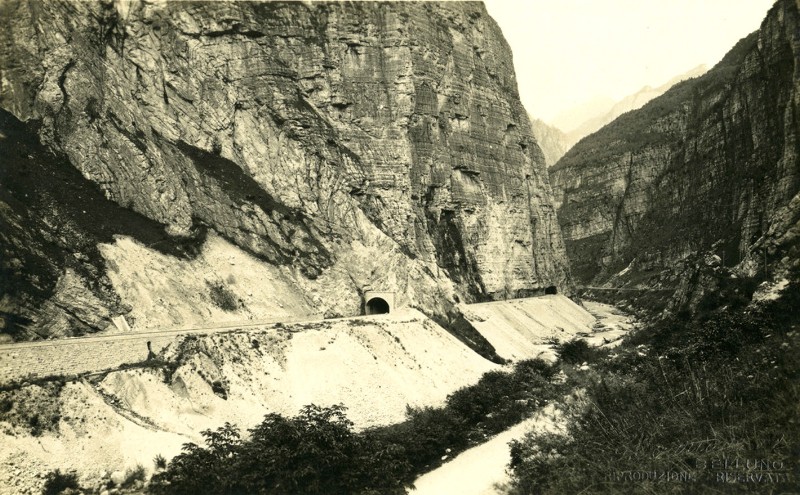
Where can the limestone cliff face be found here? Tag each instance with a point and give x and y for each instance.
(346, 144)
(712, 165)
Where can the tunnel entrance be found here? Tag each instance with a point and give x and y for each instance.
(377, 306)
(551, 290)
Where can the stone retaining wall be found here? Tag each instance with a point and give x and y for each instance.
(74, 356)
(99, 353)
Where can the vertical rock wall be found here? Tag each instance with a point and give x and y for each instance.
(712, 165)
(354, 144)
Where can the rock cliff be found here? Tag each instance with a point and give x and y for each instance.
(708, 169)
(335, 146)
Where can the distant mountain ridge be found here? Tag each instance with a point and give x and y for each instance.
(573, 117)
(555, 141)
(631, 102)
(550, 139)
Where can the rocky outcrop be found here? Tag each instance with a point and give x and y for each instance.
(350, 145)
(708, 169)
(551, 140)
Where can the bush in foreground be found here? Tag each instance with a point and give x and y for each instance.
(315, 452)
(578, 351)
(471, 414)
(133, 475)
(56, 482)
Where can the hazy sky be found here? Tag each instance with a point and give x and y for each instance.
(568, 51)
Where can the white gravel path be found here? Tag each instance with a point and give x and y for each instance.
(481, 470)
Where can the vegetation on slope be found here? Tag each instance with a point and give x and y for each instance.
(317, 451)
(634, 131)
(709, 405)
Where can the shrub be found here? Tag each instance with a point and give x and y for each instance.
(472, 404)
(502, 399)
(666, 417)
(35, 425)
(534, 370)
(315, 452)
(425, 436)
(731, 293)
(159, 462)
(133, 475)
(202, 469)
(577, 351)
(56, 482)
(497, 401)
(222, 297)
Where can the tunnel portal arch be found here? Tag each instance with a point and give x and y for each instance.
(551, 290)
(378, 303)
(377, 306)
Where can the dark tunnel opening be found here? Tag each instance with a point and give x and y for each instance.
(377, 306)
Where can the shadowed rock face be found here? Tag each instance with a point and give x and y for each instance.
(710, 165)
(295, 132)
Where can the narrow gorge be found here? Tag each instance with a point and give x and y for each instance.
(321, 247)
